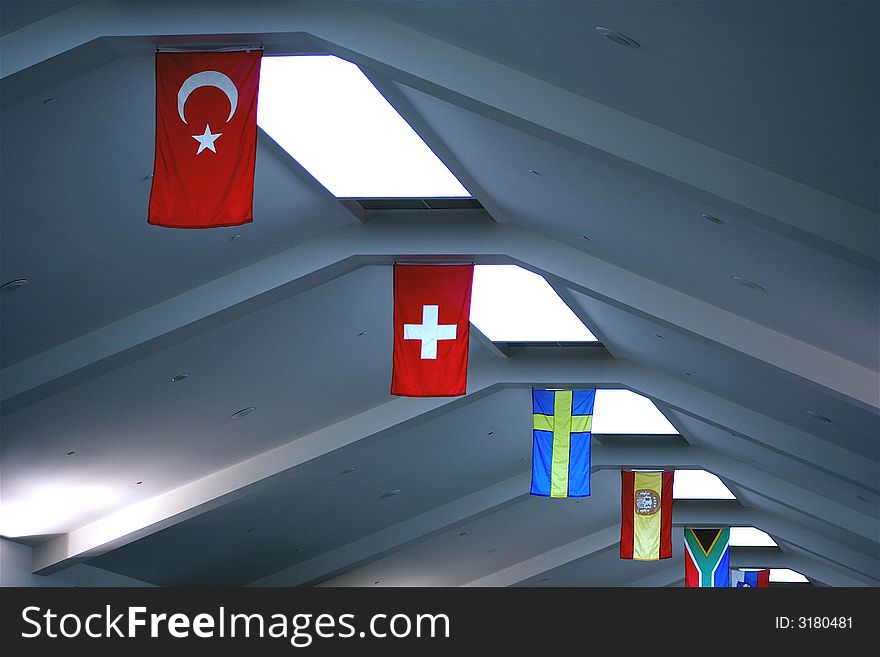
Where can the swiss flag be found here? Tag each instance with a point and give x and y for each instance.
(431, 326)
(206, 139)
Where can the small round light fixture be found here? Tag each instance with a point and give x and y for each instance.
(745, 282)
(13, 285)
(243, 412)
(618, 38)
(390, 493)
(709, 217)
(819, 416)
(180, 377)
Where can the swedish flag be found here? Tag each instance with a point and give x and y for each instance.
(563, 421)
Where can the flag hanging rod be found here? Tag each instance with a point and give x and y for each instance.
(196, 47)
(440, 261)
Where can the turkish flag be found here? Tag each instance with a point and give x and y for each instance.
(206, 139)
(432, 305)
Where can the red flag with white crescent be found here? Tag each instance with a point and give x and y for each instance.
(431, 327)
(206, 139)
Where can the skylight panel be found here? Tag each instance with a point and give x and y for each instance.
(699, 485)
(749, 537)
(786, 575)
(330, 118)
(512, 304)
(624, 411)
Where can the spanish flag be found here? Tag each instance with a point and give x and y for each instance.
(646, 525)
(563, 423)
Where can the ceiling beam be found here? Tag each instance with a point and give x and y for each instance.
(585, 368)
(480, 85)
(642, 450)
(381, 243)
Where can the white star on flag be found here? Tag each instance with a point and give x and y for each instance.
(207, 140)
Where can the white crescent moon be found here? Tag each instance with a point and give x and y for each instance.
(207, 79)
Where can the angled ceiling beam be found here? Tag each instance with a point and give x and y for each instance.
(740, 557)
(587, 368)
(482, 86)
(642, 450)
(156, 513)
(380, 243)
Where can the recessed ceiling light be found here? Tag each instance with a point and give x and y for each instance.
(819, 416)
(617, 37)
(686, 373)
(747, 283)
(536, 172)
(361, 334)
(586, 238)
(148, 176)
(243, 412)
(235, 237)
(657, 335)
(138, 483)
(49, 100)
(490, 433)
(390, 493)
(714, 220)
(12, 286)
(71, 453)
(348, 470)
(180, 377)
(377, 581)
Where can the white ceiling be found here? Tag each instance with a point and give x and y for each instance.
(760, 114)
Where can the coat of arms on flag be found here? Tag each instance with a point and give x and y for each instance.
(431, 329)
(707, 557)
(562, 429)
(206, 139)
(646, 515)
(749, 578)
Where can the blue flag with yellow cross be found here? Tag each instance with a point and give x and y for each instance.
(563, 422)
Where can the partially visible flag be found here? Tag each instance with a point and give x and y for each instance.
(562, 422)
(646, 515)
(431, 327)
(707, 557)
(206, 139)
(749, 578)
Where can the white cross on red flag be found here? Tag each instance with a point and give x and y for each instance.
(432, 306)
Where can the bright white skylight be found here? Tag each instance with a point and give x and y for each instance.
(699, 485)
(512, 304)
(786, 575)
(749, 537)
(52, 509)
(330, 118)
(624, 411)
